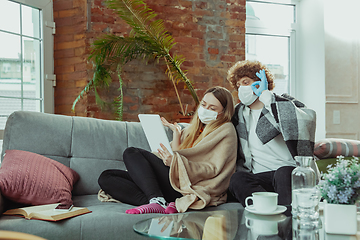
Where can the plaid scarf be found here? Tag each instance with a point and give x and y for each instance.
(286, 116)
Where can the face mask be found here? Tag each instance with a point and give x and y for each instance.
(206, 116)
(246, 95)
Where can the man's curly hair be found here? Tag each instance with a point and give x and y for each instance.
(249, 69)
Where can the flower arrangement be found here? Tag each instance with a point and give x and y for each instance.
(341, 185)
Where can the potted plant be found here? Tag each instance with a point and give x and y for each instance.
(340, 189)
(147, 40)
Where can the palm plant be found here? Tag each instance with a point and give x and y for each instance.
(147, 40)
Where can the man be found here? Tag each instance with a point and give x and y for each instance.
(271, 130)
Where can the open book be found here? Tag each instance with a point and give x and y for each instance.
(46, 212)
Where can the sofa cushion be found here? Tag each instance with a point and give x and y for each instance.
(333, 147)
(30, 178)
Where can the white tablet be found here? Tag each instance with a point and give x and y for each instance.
(154, 131)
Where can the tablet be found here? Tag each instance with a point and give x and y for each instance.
(154, 131)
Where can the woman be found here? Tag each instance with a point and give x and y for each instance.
(196, 176)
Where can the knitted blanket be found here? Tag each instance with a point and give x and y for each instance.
(202, 173)
(285, 115)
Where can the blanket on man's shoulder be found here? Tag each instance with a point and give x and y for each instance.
(202, 173)
(282, 115)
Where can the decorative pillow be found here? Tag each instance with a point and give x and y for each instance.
(333, 147)
(30, 178)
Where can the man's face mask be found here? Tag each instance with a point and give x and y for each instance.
(246, 95)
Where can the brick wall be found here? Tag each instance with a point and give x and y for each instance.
(209, 34)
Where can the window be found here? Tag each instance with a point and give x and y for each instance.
(269, 39)
(24, 40)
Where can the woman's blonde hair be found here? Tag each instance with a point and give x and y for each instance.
(194, 136)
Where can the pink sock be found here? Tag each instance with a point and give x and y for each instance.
(148, 208)
(171, 208)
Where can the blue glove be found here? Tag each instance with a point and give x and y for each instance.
(263, 84)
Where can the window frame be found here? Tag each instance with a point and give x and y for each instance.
(251, 29)
(46, 53)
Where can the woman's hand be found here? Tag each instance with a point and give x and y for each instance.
(174, 127)
(165, 155)
(176, 133)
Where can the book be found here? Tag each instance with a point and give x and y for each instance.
(46, 212)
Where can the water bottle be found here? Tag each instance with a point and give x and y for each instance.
(302, 177)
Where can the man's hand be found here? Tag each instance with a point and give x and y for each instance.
(165, 155)
(262, 85)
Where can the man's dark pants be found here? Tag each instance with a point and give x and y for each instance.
(243, 184)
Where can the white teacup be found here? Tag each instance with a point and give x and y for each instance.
(264, 202)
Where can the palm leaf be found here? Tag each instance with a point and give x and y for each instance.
(148, 40)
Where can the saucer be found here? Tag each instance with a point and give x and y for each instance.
(272, 218)
(279, 209)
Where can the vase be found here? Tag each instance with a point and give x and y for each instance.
(302, 178)
(340, 218)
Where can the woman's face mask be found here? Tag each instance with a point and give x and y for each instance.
(246, 95)
(206, 116)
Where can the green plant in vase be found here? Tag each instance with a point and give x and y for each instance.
(340, 188)
(341, 185)
(148, 40)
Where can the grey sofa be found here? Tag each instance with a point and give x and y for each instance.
(89, 146)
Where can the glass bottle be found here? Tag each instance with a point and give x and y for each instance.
(303, 176)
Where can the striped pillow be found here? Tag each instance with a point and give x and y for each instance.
(333, 147)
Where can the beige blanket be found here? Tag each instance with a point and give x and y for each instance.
(202, 173)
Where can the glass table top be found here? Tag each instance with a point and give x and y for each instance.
(231, 224)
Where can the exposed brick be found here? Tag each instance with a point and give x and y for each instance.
(62, 5)
(201, 5)
(155, 101)
(69, 61)
(64, 69)
(82, 66)
(197, 34)
(69, 21)
(68, 13)
(103, 19)
(72, 44)
(79, 3)
(213, 51)
(80, 51)
(210, 35)
(128, 99)
(74, 76)
(236, 38)
(199, 63)
(193, 41)
(81, 83)
(234, 23)
(64, 53)
(70, 29)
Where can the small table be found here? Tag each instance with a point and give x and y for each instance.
(228, 225)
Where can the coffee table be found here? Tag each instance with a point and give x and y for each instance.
(230, 224)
